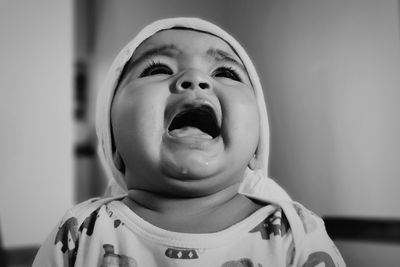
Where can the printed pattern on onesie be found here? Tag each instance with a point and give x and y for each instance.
(110, 238)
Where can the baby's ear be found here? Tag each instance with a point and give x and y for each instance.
(118, 161)
(253, 164)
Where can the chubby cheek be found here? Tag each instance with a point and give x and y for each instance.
(240, 128)
(137, 123)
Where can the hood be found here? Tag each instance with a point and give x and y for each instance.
(253, 180)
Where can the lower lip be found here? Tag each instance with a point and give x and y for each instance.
(193, 142)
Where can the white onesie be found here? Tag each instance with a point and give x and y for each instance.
(105, 232)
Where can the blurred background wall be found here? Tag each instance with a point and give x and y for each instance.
(36, 173)
(331, 75)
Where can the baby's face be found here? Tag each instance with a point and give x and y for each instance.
(184, 118)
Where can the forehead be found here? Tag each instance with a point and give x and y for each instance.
(186, 41)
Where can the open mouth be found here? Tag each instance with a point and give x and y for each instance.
(195, 121)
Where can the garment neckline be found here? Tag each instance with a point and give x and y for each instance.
(193, 240)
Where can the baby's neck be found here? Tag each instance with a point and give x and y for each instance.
(205, 214)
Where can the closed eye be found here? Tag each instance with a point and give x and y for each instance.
(156, 68)
(227, 72)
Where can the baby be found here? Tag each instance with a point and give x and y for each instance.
(183, 131)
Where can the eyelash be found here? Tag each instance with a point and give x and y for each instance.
(155, 68)
(227, 72)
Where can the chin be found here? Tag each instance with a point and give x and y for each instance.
(190, 181)
(189, 166)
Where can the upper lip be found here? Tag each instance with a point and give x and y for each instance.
(198, 108)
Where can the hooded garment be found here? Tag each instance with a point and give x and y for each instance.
(256, 184)
(105, 232)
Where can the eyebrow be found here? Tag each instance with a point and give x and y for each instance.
(221, 55)
(169, 50)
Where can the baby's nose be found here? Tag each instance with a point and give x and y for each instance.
(192, 80)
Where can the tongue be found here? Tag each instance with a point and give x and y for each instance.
(190, 132)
